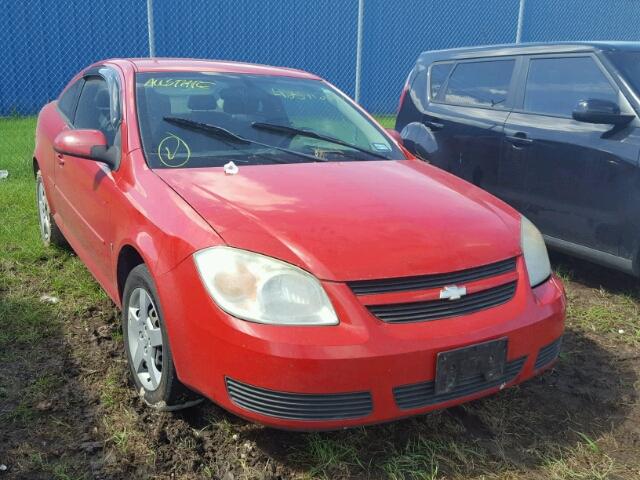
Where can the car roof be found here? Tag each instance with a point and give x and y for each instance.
(202, 65)
(527, 48)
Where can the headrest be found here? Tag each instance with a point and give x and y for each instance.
(202, 102)
(233, 102)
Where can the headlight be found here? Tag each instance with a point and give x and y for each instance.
(261, 289)
(535, 253)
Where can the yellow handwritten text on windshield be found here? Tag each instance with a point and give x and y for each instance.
(177, 83)
(296, 95)
(173, 151)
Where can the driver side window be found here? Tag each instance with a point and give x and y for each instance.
(556, 85)
(93, 110)
(69, 99)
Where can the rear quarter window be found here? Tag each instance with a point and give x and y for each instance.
(483, 83)
(438, 74)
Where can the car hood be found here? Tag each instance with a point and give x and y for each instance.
(353, 220)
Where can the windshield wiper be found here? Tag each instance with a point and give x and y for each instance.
(274, 127)
(206, 127)
(223, 133)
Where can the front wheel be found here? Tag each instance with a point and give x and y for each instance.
(50, 234)
(147, 345)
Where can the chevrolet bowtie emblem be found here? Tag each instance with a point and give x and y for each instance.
(453, 292)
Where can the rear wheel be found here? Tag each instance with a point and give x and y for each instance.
(147, 345)
(49, 231)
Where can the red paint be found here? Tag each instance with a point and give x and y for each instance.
(78, 143)
(339, 221)
(394, 134)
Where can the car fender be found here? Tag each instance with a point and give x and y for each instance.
(155, 221)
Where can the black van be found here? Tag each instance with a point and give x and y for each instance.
(552, 129)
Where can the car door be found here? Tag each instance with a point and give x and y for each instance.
(84, 187)
(466, 114)
(578, 175)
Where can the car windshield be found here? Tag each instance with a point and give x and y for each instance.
(628, 63)
(197, 119)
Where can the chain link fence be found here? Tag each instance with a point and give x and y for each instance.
(365, 47)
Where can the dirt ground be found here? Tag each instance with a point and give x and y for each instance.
(67, 409)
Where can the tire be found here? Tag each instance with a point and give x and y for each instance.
(147, 346)
(50, 234)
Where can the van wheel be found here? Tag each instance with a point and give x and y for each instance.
(147, 346)
(49, 231)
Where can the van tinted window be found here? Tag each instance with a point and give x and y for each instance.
(437, 75)
(556, 85)
(480, 83)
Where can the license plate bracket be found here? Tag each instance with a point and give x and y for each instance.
(487, 359)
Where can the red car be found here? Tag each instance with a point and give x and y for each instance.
(276, 251)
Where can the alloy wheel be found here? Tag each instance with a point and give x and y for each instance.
(43, 211)
(145, 339)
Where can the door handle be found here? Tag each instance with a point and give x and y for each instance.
(433, 125)
(60, 158)
(519, 140)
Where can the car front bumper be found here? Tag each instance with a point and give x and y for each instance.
(361, 371)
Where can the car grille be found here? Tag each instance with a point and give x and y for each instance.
(300, 406)
(548, 353)
(422, 282)
(423, 394)
(437, 309)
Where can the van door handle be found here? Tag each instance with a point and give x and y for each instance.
(433, 125)
(519, 140)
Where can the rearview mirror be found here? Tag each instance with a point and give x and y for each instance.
(87, 144)
(595, 110)
(419, 140)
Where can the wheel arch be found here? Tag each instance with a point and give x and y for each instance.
(128, 258)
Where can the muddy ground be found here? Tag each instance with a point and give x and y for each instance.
(67, 409)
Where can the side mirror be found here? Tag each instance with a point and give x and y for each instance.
(419, 140)
(394, 134)
(595, 110)
(87, 144)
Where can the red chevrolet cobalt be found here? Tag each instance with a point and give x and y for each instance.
(276, 251)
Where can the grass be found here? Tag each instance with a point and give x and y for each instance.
(387, 121)
(581, 463)
(112, 393)
(37, 338)
(418, 460)
(615, 315)
(329, 456)
(35, 371)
